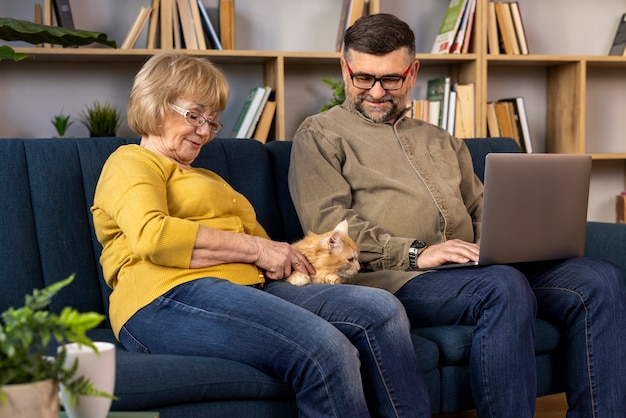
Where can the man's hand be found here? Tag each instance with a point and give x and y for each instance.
(453, 251)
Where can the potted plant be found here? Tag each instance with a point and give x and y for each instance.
(101, 119)
(339, 93)
(61, 122)
(27, 335)
(34, 33)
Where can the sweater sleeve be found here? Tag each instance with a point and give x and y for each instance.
(131, 211)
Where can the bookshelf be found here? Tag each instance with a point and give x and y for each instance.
(573, 89)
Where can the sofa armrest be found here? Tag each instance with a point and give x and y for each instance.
(608, 241)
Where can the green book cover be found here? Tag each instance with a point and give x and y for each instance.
(449, 26)
(438, 89)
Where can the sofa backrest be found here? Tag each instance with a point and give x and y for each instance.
(47, 187)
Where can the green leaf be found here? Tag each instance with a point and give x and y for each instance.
(34, 33)
(7, 53)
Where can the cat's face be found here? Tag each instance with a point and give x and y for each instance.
(333, 254)
(343, 254)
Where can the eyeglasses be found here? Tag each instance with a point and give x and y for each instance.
(387, 82)
(197, 120)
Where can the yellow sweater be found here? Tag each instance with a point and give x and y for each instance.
(146, 212)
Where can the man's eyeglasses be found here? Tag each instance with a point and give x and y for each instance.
(387, 82)
(197, 120)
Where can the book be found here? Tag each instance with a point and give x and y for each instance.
(372, 6)
(38, 18)
(154, 25)
(457, 45)
(211, 34)
(186, 24)
(503, 29)
(176, 28)
(620, 208)
(63, 13)
(226, 12)
(493, 130)
(136, 28)
(419, 109)
(449, 27)
(346, 6)
(351, 10)
(618, 47)
(434, 109)
(438, 89)
(493, 41)
(167, 25)
(506, 121)
(357, 9)
(470, 28)
(258, 110)
(248, 112)
(521, 120)
(519, 28)
(262, 130)
(510, 27)
(465, 123)
(197, 23)
(451, 118)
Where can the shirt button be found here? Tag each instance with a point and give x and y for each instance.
(234, 200)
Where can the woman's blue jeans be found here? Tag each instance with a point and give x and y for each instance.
(346, 350)
(585, 297)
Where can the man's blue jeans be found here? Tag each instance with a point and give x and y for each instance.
(345, 349)
(585, 297)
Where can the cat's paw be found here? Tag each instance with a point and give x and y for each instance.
(332, 279)
(298, 279)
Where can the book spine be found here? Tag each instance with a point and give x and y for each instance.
(619, 42)
(208, 27)
(63, 13)
(242, 114)
(227, 23)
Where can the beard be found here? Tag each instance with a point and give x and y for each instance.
(396, 105)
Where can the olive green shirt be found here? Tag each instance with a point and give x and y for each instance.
(393, 183)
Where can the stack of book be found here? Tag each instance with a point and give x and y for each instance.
(451, 106)
(351, 10)
(505, 29)
(455, 32)
(183, 24)
(508, 118)
(256, 115)
(168, 23)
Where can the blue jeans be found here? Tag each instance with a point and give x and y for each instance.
(585, 297)
(345, 350)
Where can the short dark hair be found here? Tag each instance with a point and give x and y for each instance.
(379, 34)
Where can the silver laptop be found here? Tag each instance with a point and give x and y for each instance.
(534, 208)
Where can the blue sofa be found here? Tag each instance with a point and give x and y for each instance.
(46, 234)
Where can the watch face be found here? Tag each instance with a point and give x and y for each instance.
(419, 244)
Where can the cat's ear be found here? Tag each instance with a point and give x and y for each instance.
(335, 242)
(342, 227)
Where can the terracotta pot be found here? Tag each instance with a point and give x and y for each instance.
(40, 399)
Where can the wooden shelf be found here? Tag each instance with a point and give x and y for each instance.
(574, 92)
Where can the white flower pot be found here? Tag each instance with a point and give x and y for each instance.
(39, 399)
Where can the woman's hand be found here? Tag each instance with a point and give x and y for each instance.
(280, 259)
(452, 251)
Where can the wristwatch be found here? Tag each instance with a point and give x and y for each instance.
(414, 250)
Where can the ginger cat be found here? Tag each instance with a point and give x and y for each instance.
(334, 255)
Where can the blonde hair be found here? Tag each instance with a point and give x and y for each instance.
(166, 77)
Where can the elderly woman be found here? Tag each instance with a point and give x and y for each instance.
(194, 273)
